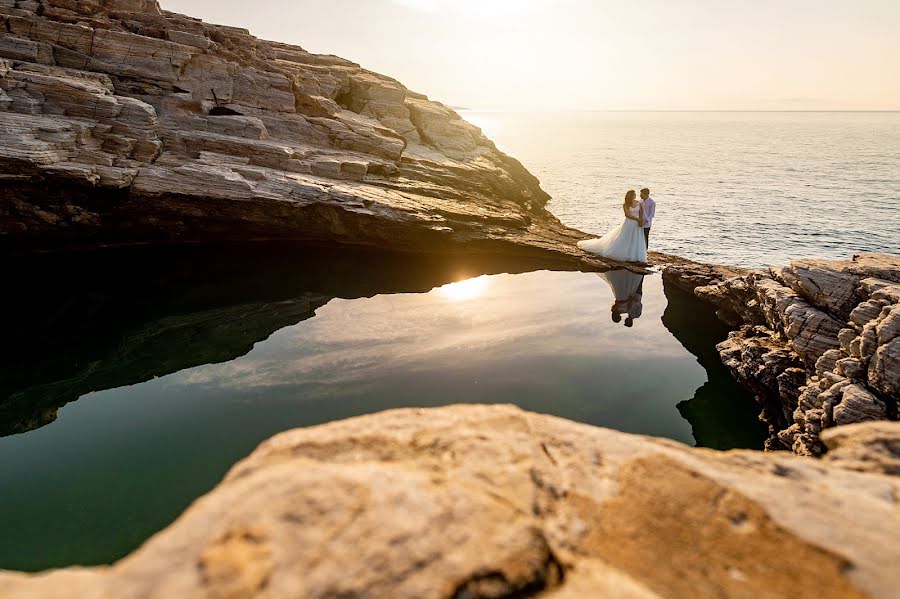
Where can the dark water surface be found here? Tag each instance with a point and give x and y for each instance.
(183, 361)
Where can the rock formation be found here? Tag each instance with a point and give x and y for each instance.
(818, 343)
(492, 502)
(123, 123)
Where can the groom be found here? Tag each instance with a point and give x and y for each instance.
(648, 211)
(635, 305)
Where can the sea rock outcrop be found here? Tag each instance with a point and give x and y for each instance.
(493, 502)
(124, 123)
(818, 343)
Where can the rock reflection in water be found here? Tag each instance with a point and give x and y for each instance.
(723, 415)
(183, 364)
(86, 322)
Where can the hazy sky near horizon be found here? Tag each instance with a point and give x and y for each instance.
(601, 54)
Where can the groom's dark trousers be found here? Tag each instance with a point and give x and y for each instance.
(647, 237)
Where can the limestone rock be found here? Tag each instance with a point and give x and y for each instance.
(728, 289)
(810, 331)
(757, 359)
(865, 313)
(481, 501)
(823, 285)
(122, 123)
(828, 361)
(688, 275)
(189, 39)
(857, 405)
(851, 368)
(833, 285)
(846, 337)
(872, 447)
(884, 369)
(839, 322)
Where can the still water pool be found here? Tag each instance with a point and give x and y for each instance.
(166, 370)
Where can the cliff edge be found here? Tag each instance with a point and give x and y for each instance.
(124, 123)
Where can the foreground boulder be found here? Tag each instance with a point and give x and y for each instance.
(818, 341)
(493, 502)
(123, 123)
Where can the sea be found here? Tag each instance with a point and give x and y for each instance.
(740, 188)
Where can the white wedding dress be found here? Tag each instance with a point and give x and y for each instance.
(625, 243)
(624, 283)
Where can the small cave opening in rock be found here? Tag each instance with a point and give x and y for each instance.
(223, 111)
(219, 110)
(344, 99)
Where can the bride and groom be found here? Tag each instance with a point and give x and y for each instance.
(629, 241)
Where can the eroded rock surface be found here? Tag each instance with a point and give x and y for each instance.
(818, 343)
(122, 123)
(490, 501)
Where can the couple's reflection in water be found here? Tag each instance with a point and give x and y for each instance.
(628, 289)
(722, 414)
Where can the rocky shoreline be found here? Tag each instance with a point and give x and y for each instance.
(817, 342)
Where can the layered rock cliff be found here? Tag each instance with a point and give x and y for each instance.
(124, 123)
(492, 502)
(818, 342)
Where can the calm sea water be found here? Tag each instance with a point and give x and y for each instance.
(135, 381)
(749, 189)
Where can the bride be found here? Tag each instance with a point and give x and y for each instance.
(626, 242)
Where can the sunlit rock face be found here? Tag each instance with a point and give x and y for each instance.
(120, 122)
(487, 502)
(818, 343)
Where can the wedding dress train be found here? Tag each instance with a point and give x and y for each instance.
(625, 242)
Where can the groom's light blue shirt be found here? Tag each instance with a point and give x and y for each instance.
(648, 212)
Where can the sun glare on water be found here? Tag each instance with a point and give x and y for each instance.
(465, 290)
(488, 124)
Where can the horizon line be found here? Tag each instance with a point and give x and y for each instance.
(467, 109)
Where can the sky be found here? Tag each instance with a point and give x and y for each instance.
(601, 54)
